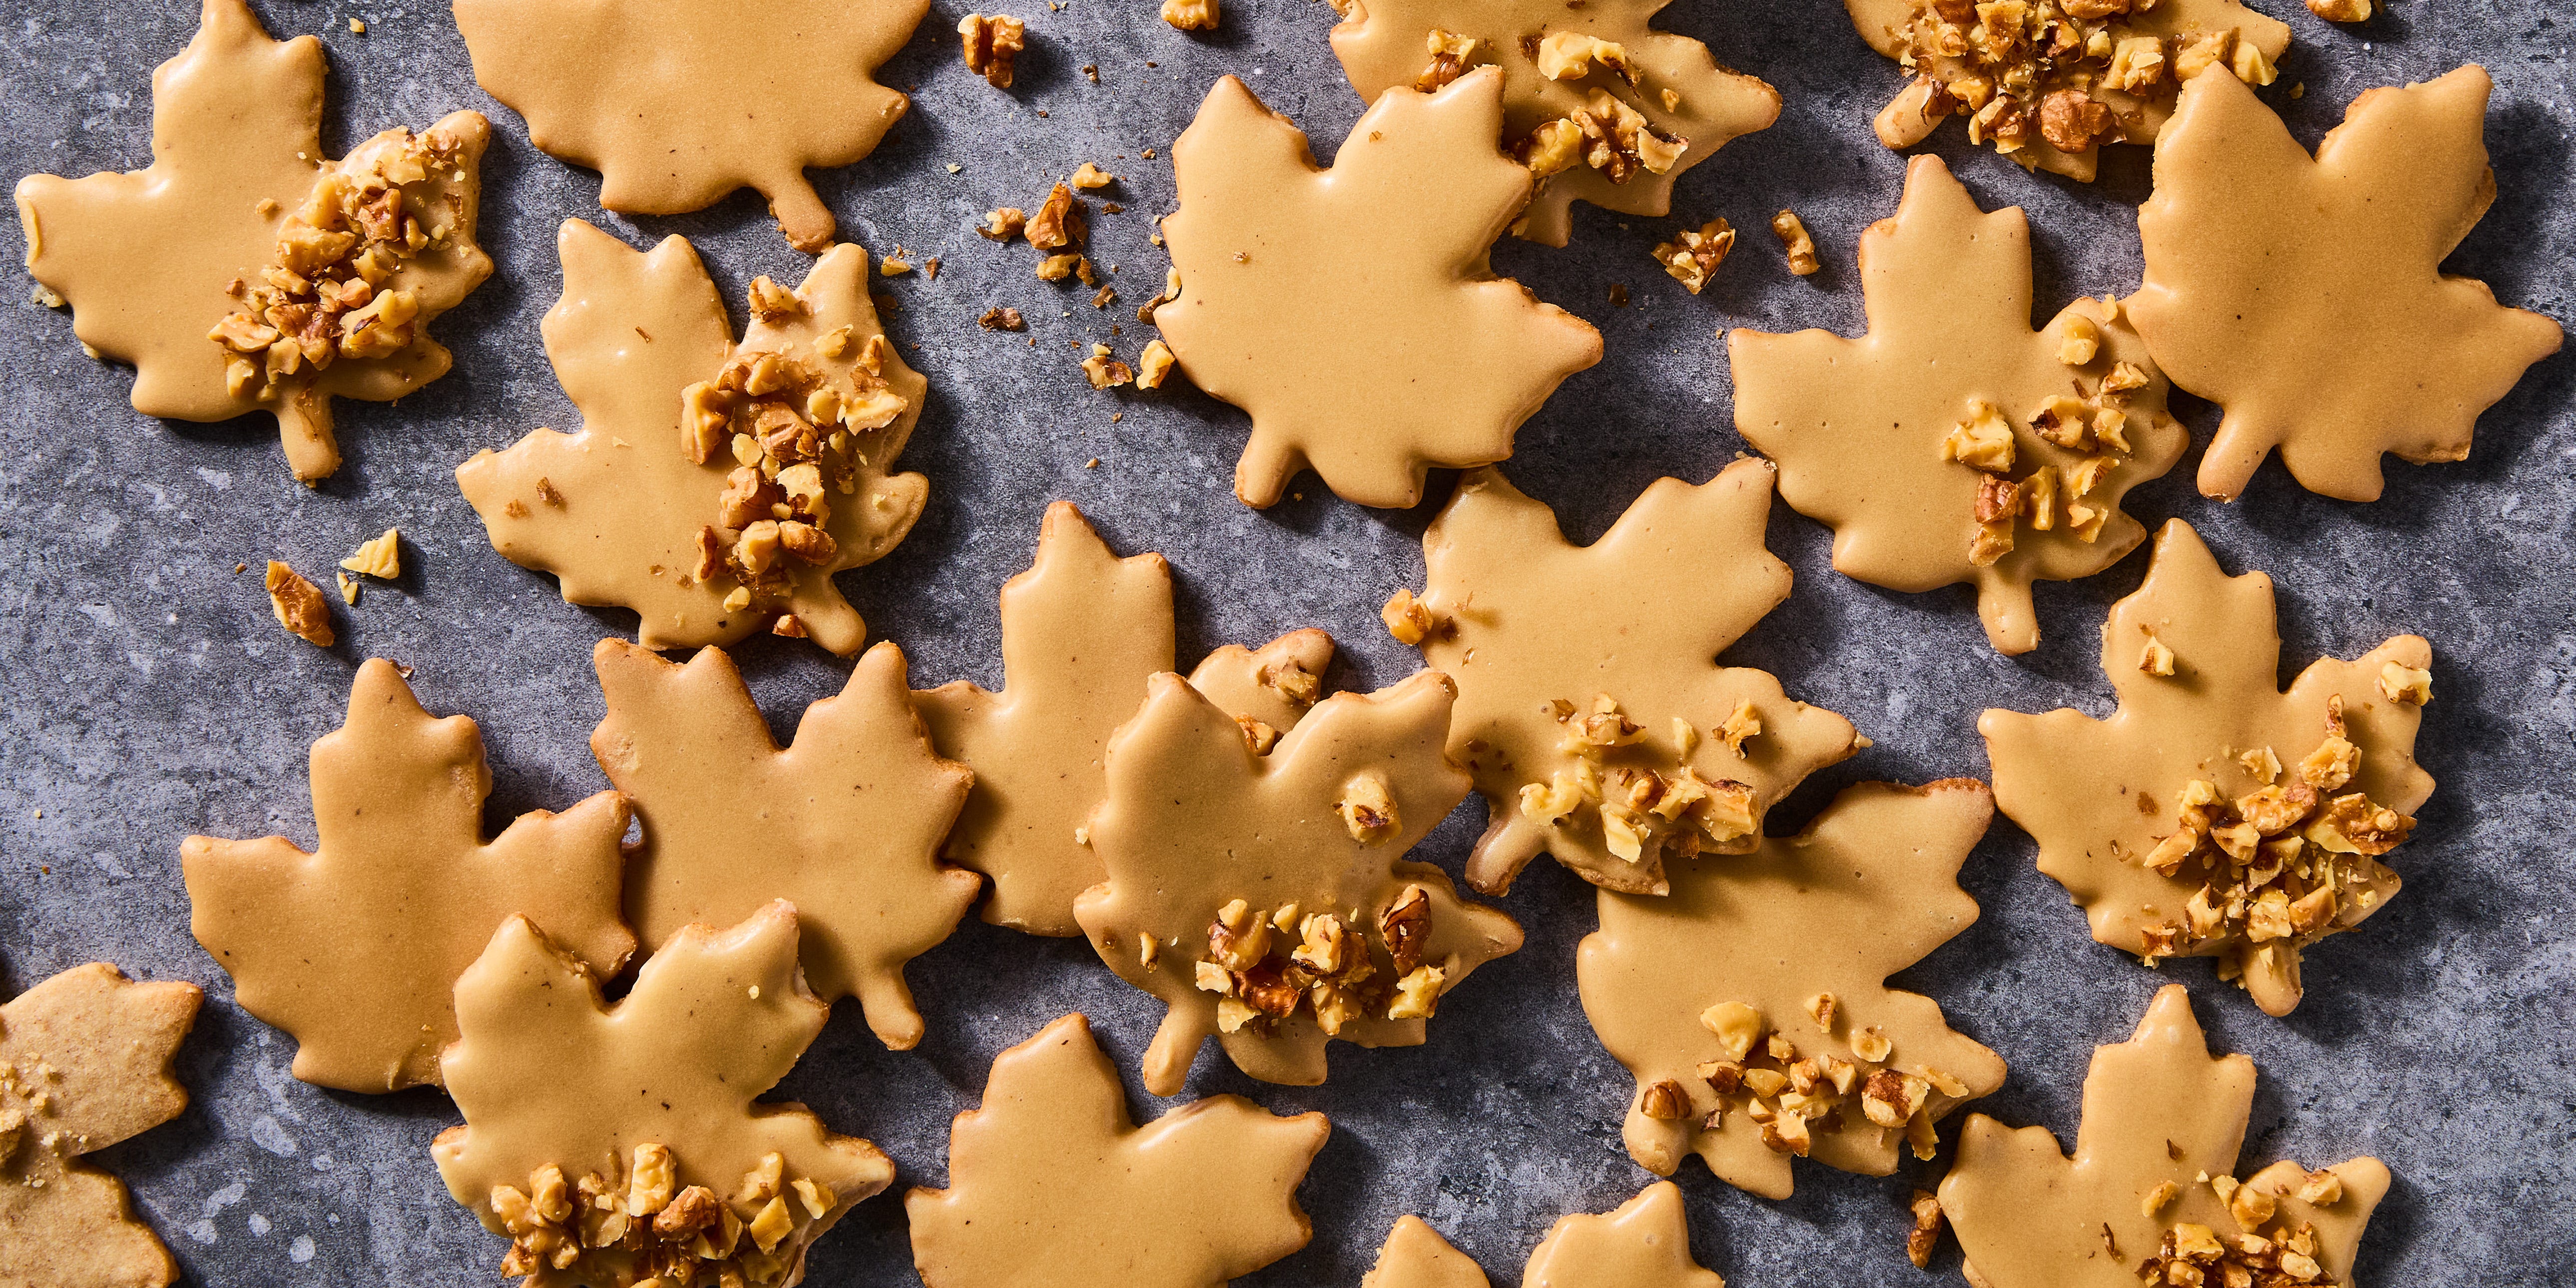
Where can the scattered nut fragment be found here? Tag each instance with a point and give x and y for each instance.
(1190, 15)
(1926, 1234)
(2156, 658)
(2341, 10)
(380, 558)
(1794, 241)
(1367, 809)
(998, 318)
(1058, 222)
(1154, 365)
(992, 44)
(2072, 121)
(1407, 618)
(2406, 684)
(1091, 177)
(299, 605)
(348, 588)
(894, 266)
(1056, 268)
(1693, 254)
(1105, 371)
(1417, 995)
(1002, 223)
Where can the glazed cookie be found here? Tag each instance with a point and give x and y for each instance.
(354, 949)
(1601, 106)
(1354, 312)
(1752, 1006)
(2152, 1192)
(844, 822)
(1082, 631)
(242, 271)
(1051, 1172)
(2260, 260)
(1644, 1243)
(1591, 709)
(614, 1144)
(2047, 82)
(1264, 896)
(1952, 443)
(669, 501)
(677, 103)
(2213, 815)
(85, 1063)
(1415, 1256)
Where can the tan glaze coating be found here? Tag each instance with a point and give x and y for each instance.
(2074, 783)
(1082, 630)
(677, 103)
(844, 823)
(547, 1073)
(2306, 297)
(2158, 1108)
(1354, 312)
(1385, 43)
(1857, 425)
(631, 331)
(1415, 1256)
(144, 257)
(1643, 1243)
(1527, 618)
(354, 949)
(1869, 889)
(1195, 820)
(85, 1063)
(1050, 1172)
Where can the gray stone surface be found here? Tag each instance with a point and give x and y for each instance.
(146, 694)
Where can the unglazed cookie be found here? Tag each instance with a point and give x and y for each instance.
(1050, 1172)
(354, 949)
(677, 103)
(1604, 107)
(1082, 631)
(2213, 815)
(2151, 1193)
(1953, 443)
(614, 1144)
(2305, 296)
(85, 1063)
(844, 822)
(1264, 895)
(1354, 312)
(667, 500)
(242, 271)
(1752, 1004)
(1591, 709)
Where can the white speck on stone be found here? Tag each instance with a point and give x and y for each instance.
(202, 1231)
(258, 1224)
(322, 1162)
(301, 1250)
(216, 479)
(265, 1133)
(224, 1198)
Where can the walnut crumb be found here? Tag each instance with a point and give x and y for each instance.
(1694, 254)
(299, 605)
(1795, 242)
(1926, 1234)
(2156, 657)
(1154, 365)
(1003, 223)
(1368, 809)
(1408, 619)
(1104, 371)
(2341, 10)
(998, 318)
(2406, 684)
(380, 558)
(1190, 15)
(992, 44)
(1091, 177)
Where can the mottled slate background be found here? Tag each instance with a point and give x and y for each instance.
(149, 695)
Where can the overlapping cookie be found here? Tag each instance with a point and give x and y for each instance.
(1643, 1243)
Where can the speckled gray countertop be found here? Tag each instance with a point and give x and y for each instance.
(149, 695)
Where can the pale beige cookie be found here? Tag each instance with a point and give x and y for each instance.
(612, 1144)
(677, 103)
(1082, 630)
(2214, 815)
(1265, 898)
(1354, 312)
(2305, 296)
(665, 501)
(2152, 1191)
(354, 949)
(1591, 708)
(1752, 1005)
(1415, 1256)
(2048, 82)
(844, 822)
(85, 1063)
(1607, 108)
(242, 270)
(1051, 1172)
(1952, 443)
(1643, 1243)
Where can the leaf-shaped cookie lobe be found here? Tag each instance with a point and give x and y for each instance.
(1642, 1243)
(1051, 1171)
(1953, 443)
(2305, 295)
(1353, 312)
(355, 948)
(2214, 814)
(1415, 1256)
(1265, 897)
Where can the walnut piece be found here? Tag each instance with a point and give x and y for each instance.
(380, 558)
(1926, 1234)
(1367, 809)
(1449, 55)
(1104, 371)
(1693, 254)
(992, 45)
(998, 318)
(1058, 223)
(1795, 243)
(1154, 365)
(1408, 619)
(1002, 223)
(2341, 10)
(1190, 15)
(299, 605)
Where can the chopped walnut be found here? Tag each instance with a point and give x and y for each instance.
(2156, 658)
(1606, 134)
(1983, 441)
(1408, 619)
(299, 605)
(380, 558)
(1569, 55)
(1367, 809)
(1665, 1101)
(992, 44)
(2079, 341)
(2073, 121)
(1795, 243)
(1449, 55)
(1091, 177)
(1154, 365)
(1741, 724)
(1058, 222)
(1406, 927)
(1554, 147)
(1257, 735)
(2406, 684)
(1292, 681)
(1694, 254)
(1002, 223)
(1104, 371)
(1926, 1234)
(2341, 10)
(1190, 15)
(1001, 319)
(1417, 994)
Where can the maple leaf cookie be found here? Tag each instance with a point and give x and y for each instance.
(1264, 896)
(678, 103)
(1354, 312)
(2305, 295)
(2153, 1181)
(1953, 443)
(1591, 709)
(1643, 1243)
(2214, 815)
(243, 271)
(1082, 632)
(1051, 1171)
(355, 948)
(85, 1063)
(1601, 106)
(715, 487)
(616, 1144)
